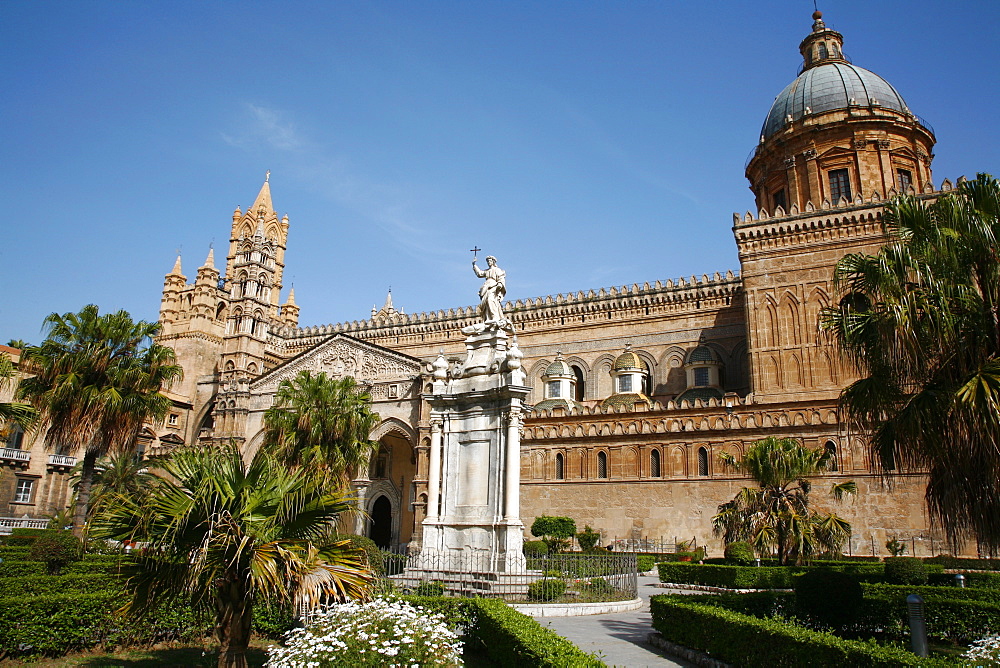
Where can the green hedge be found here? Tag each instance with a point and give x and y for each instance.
(948, 561)
(763, 577)
(750, 642)
(978, 579)
(509, 637)
(46, 585)
(952, 614)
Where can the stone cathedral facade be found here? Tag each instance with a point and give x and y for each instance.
(636, 390)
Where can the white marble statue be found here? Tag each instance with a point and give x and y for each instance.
(492, 291)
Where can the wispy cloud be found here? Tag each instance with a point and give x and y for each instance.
(268, 126)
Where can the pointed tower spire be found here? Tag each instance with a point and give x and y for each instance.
(210, 260)
(291, 297)
(388, 303)
(263, 197)
(176, 271)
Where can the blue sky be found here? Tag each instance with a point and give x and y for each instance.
(585, 144)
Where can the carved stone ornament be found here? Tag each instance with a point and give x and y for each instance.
(343, 356)
(809, 153)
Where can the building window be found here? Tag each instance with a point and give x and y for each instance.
(905, 179)
(779, 200)
(840, 185)
(581, 384)
(702, 462)
(831, 452)
(554, 389)
(602, 465)
(654, 464)
(172, 420)
(701, 376)
(823, 53)
(16, 438)
(625, 383)
(560, 467)
(23, 492)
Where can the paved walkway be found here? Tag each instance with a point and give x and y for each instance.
(620, 638)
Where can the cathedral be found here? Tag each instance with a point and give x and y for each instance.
(636, 390)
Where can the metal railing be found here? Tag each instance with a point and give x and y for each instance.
(15, 455)
(562, 578)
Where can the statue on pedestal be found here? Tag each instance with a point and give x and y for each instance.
(492, 292)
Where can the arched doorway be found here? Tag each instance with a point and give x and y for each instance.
(381, 526)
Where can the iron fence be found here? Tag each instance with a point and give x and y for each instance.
(570, 577)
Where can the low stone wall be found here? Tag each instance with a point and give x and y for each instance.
(576, 609)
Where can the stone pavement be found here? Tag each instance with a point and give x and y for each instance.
(620, 638)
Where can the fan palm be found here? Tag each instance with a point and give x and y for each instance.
(321, 423)
(775, 515)
(120, 473)
(223, 532)
(13, 412)
(920, 323)
(96, 379)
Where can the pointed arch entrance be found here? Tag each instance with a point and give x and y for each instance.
(381, 528)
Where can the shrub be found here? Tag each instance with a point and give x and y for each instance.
(22, 537)
(598, 587)
(588, 538)
(369, 634)
(56, 548)
(373, 554)
(435, 588)
(750, 642)
(535, 548)
(733, 577)
(514, 639)
(905, 570)
(740, 554)
(546, 589)
(948, 561)
(895, 547)
(831, 597)
(554, 531)
(645, 562)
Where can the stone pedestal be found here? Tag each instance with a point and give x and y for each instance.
(473, 509)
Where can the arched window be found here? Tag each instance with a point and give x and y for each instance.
(581, 384)
(602, 465)
(654, 464)
(702, 462)
(831, 451)
(823, 53)
(220, 312)
(560, 467)
(15, 439)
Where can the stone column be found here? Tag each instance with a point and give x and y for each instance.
(434, 472)
(512, 509)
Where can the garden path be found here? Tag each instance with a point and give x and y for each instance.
(620, 638)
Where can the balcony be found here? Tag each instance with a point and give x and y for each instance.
(12, 456)
(61, 462)
(8, 524)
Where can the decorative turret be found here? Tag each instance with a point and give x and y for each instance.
(290, 310)
(630, 375)
(559, 383)
(173, 284)
(837, 133)
(702, 369)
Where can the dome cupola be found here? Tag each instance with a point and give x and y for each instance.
(837, 132)
(559, 383)
(630, 376)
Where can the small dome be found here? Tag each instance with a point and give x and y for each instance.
(558, 368)
(629, 360)
(702, 354)
(837, 85)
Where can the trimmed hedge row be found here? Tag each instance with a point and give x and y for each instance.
(980, 579)
(948, 561)
(763, 577)
(46, 585)
(750, 642)
(509, 637)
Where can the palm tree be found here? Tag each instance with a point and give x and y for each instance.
(321, 423)
(120, 473)
(775, 515)
(96, 379)
(16, 413)
(218, 531)
(920, 323)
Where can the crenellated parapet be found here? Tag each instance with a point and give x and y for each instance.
(605, 303)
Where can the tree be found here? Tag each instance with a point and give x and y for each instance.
(920, 323)
(16, 413)
(118, 473)
(775, 515)
(554, 531)
(219, 531)
(322, 424)
(96, 379)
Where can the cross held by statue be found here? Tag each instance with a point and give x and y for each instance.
(475, 252)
